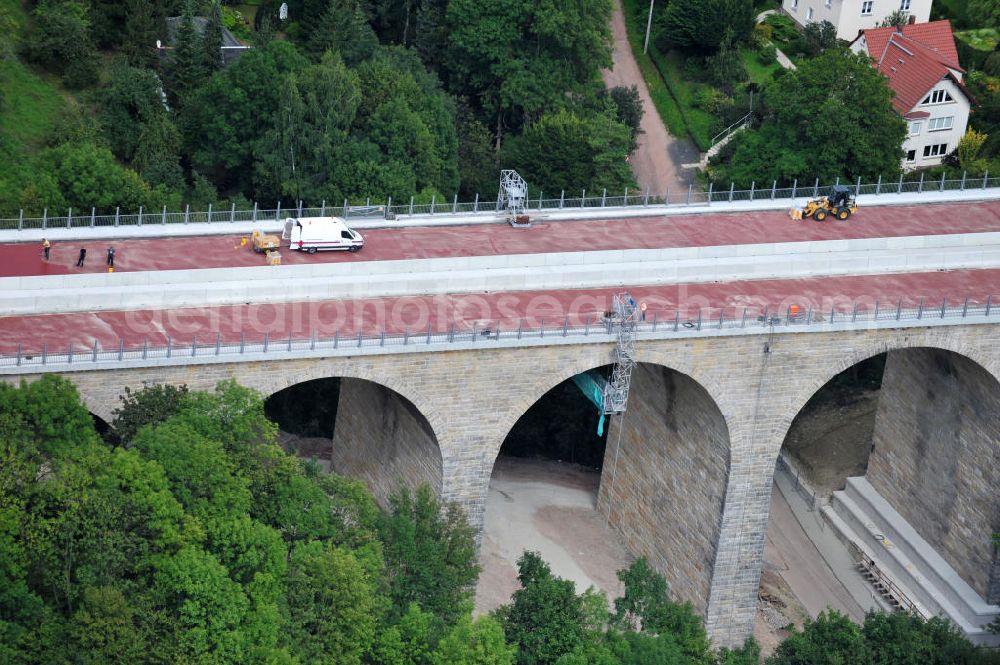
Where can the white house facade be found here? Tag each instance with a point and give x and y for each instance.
(921, 64)
(852, 16)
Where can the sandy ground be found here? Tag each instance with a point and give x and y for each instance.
(547, 507)
(656, 162)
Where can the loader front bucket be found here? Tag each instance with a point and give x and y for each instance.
(795, 214)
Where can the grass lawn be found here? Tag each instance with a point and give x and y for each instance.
(30, 101)
(759, 73)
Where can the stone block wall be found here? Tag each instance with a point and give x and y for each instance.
(936, 456)
(381, 438)
(666, 485)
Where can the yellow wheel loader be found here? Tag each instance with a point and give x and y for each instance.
(839, 204)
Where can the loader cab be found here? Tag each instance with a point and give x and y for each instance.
(840, 196)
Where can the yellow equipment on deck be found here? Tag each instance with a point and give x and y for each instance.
(839, 203)
(264, 243)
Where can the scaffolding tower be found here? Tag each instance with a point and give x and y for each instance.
(512, 197)
(624, 319)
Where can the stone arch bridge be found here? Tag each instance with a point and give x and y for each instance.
(689, 467)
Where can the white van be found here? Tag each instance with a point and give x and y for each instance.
(312, 234)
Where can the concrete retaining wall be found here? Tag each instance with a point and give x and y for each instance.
(381, 438)
(936, 455)
(665, 486)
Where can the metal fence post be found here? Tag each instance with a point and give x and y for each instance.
(93, 357)
(19, 353)
(666, 197)
(540, 192)
(145, 347)
(941, 189)
(45, 352)
(920, 309)
(254, 217)
(243, 342)
(690, 187)
(20, 219)
(232, 213)
(45, 218)
(277, 211)
(604, 196)
(677, 319)
(267, 339)
(69, 354)
(117, 215)
(732, 187)
(299, 208)
(388, 207)
(986, 178)
(857, 187)
(699, 318)
(836, 181)
(187, 213)
(209, 213)
(322, 208)
(218, 343)
(163, 215)
(816, 188)
(140, 216)
(795, 186)
(433, 202)
(411, 205)
(899, 308)
(344, 214)
(854, 313)
(626, 194)
(69, 217)
(753, 186)
(709, 200)
(194, 346)
(965, 307)
(454, 204)
(475, 204)
(878, 185)
(645, 198)
(989, 301)
(562, 198)
(920, 187)
(170, 346)
(899, 189)
(583, 199)
(876, 310)
(774, 189)
(962, 188)
(944, 306)
(93, 217)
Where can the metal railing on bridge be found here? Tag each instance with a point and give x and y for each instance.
(32, 357)
(566, 200)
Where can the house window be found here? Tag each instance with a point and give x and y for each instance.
(809, 14)
(935, 150)
(914, 128)
(829, 4)
(795, 5)
(937, 124)
(937, 97)
(866, 7)
(904, 5)
(911, 155)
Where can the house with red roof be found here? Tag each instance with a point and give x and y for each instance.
(920, 62)
(852, 16)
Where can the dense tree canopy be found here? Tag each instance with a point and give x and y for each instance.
(812, 126)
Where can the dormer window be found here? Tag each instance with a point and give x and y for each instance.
(937, 97)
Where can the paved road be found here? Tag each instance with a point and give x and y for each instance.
(370, 316)
(24, 259)
(656, 162)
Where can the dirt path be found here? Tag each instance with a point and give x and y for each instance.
(656, 162)
(547, 507)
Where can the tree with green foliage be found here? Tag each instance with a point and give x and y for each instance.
(150, 405)
(130, 101)
(479, 642)
(186, 65)
(61, 41)
(545, 618)
(812, 126)
(157, 154)
(331, 604)
(521, 60)
(145, 24)
(477, 164)
(700, 26)
(343, 28)
(819, 37)
(985, 12)
(896, 19)
(568, 152)
(211, 40)
(430, 554)
(628, 111)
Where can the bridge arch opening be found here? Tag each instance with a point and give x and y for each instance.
(359, 428)
(900, 454)
(648, 483)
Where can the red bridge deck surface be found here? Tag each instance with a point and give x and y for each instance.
(22, 259)
(348, 317)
